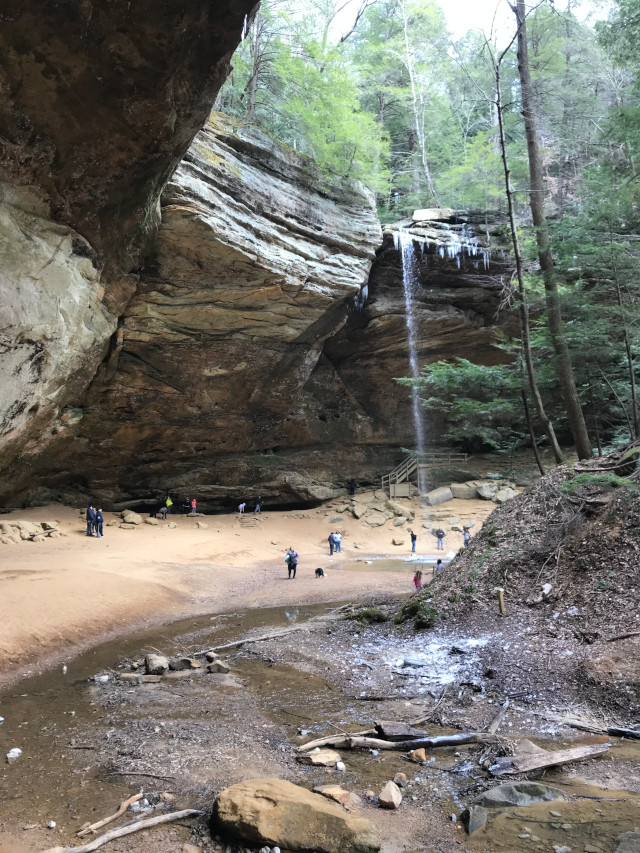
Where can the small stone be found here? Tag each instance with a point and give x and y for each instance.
(536, 838)
(153, 522)
(419, 755)
(172, 525)
(473, 818)
(561, 848)
(156, 664)
(524, 835)
(264, 850)
(202, 525)
(555, 814)
(52, 824)
(275, 850)
(218, 666)
(566, 826)
(212, 656)
(341, 766)
(400, 779)
(321, 758)
(335, 793)
(396, 541)
(454, 818)
(13, 754)
(390, 797)
(101, 679)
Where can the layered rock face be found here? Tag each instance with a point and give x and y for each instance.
(209, 384)
(99, 103)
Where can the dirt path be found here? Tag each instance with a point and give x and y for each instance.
(62, 595)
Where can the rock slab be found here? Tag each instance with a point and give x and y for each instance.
(390, 796)
(518, 794)
(276, 812)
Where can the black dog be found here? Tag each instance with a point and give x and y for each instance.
(320, 573)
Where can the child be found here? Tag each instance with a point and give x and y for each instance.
(439, 567)
(417, 580)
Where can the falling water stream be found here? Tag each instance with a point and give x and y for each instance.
(455, 247)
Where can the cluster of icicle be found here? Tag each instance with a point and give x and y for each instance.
(456, 247)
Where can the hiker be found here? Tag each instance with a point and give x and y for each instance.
(413, 540)
(337, 541)
(258, 509)
(352, 487)
(417, 580)
(241, 507)
(440, 538)
(168, 504)
(98, 523)
(193, 505)
(439, 567)
(466, 536)
(332, 543)
(186, 506)
(91, 517)
(291, 560)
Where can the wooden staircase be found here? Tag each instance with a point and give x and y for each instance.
(399, 483)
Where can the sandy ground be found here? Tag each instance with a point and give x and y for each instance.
(62, 595)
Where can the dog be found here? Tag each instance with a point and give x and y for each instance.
(320, 573)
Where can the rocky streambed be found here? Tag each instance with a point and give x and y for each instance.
(105, 729)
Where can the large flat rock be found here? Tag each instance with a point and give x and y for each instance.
(279, 813)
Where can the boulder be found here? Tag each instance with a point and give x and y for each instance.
(390, 796)
(275, 812)
(125, 525)
(518, 794)
(28, 527)
(396, 541)
(376, 518)
(358, 510)
(49, 525)
(439, 496)
(178, 664)
(398, 522)
(131, 517)
(6, 529)
(152, 521)
(473, 818)
(463, 491)
(320, 758)
(486, 491)
(504, 494)
(398, 509)
(156, 664)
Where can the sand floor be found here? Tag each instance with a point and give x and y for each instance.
(62, 595)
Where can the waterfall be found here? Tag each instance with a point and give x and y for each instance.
(403, 241)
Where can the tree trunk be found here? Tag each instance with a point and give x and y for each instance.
(532, 435)
(564, 367)
(522, 297)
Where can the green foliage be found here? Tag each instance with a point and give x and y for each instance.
(370, 616)
(602, 482)
(421, 611)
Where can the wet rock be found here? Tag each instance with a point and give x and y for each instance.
(320, 758)
(152, 521)
(131, 517)
(439, 496)
(473, 819)
(419, 755)
(156, 664)
(390, 797)
(179, 664)
(218, 666)
(397, 541)
(273, 811)
(519, 794)
(628, 842)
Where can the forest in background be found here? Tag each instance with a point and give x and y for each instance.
(418, 117)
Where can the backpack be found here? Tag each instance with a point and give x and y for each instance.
(287, 559)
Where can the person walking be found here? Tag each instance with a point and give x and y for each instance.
(413, 540)
(332, 543)
(91, 517)
(98, 522)
(292, 562)
(466, 536)
(258, 509)
(337, 541)
(417, 580)
(440, 537)
(194, 504)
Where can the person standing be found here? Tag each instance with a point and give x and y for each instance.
(91, 517)
(194, 504)
(337, 541)
(168, 503)
(258, 509)
(332, 543)
(440, 538)
(292, 562)
(241, 507)
(186, 506)
(466, 536)
(417, 580)
(413, 540)
(99, 521)
(352, 487)
(439, 567)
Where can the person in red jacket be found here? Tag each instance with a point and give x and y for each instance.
(193, 504)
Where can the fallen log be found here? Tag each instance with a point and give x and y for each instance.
(121, 831)
(364, 742)
(87, 830)
(328, 740)
(237, 643)
(630, 733)
(391, 730)
(541, 760)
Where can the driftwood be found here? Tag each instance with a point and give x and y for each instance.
(327, 740)
(87, 830)
(494, 725)
(237, 643)
(363, 742)
(540, 760)
(390, 730)
(626, 636)
(121, 831)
